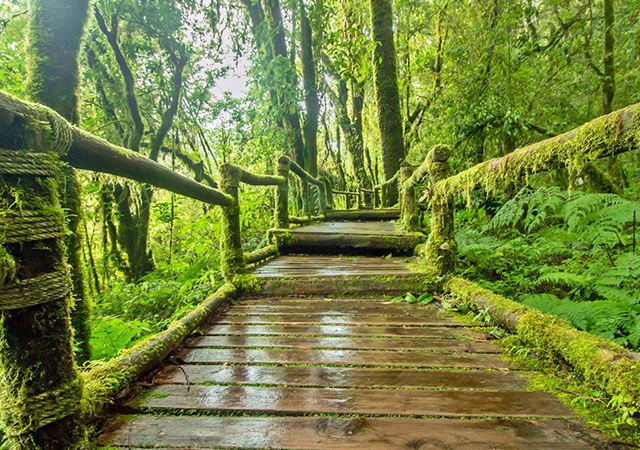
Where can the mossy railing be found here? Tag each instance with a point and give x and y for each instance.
(603, 364)
(46, 400)
(604, 136)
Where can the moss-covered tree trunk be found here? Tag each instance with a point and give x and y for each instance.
(310, 94)
(40, 387)
(386, 86)
(55, 32)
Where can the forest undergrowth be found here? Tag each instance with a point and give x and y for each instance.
(570, 253)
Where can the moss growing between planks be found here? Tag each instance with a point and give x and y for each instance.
(597, 361)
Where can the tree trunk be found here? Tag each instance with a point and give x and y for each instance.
(55, 33)
(311, 94)
(386, 86)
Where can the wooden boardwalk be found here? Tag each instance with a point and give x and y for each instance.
(320, 373)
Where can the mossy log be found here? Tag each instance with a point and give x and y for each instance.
(598, 361)
(85, 151)
(365, 214)
(298, 241)
(607, 135)
(259, 180)
(260, 255)
(306, 220)
(104, 382)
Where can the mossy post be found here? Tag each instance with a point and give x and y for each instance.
(328, 190)
(408, 205)
(440, 251)
(231, 237)
(54, 36)
(322, 198)
(376, 196)
(282, 197)
(40, 387)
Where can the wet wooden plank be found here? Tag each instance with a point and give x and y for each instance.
(315, 266)
(336, 320)
(328, 433)
(346, 330)
(316, 301)
(295, 400)
(343, 357)
(328, 308)
(359, 284)
(348, 227)
(344, 377)
(306, 343)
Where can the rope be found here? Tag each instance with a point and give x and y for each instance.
(27, 226)
(35, 291)
(62, 136)
(15, 162)
(33, 412)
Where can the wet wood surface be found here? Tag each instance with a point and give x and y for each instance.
(330, 433)
(348, 227)
(389, 375)
(288, 400)
(431, 332)
(336, 320)
(336, 342)
(343, 357)
(337, 377)
(332, 266)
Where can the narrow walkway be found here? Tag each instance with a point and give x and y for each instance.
(322, 360)
(348, 373)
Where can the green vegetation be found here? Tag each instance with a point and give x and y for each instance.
(346, 90)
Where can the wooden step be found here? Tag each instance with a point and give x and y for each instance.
(329, 433)
(255, 319)
(345, 330)
(360, 377)
(299, 401)
(363, 238)
(364, 214)
(336, 342)
(343, 357)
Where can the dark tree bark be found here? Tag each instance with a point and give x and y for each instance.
(386, 87)
(55, 33)
(133, 232)
(310, 94)
(608, 79)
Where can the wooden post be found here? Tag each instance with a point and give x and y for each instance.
(359, 199)
(231, 237)
(440, 251)
(409, 211)
(322, 199)
(347, 201)
(328, 194)
(376, 197)
(282, 197)
(306, 198)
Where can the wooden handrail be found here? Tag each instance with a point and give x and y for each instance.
(604, 136)
(41, 126)
(345, 192)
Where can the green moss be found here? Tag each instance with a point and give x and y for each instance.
(616, 132)
(601, 364)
